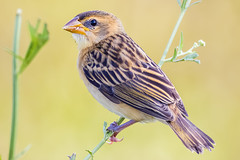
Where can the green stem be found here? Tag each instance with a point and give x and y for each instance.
(103, 141)
(95, 149)
(120, 120)
(183, 11)
(15, 85)
(179, 55)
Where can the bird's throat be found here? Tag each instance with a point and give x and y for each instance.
(81, 41)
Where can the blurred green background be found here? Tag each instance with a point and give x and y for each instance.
(58, 116)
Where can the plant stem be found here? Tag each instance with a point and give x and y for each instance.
(179, 55)
(103, 141)
(15, 85)
(95, 149)
(183, 10)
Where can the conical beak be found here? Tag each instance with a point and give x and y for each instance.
(74, 26)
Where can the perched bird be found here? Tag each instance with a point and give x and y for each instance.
(119, 74)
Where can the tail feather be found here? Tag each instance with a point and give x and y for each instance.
(191, 136)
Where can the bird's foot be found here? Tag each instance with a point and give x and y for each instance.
(114, 127)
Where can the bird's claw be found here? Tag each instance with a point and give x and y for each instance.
(114, 139)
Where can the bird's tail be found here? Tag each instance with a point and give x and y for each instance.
(191, 136)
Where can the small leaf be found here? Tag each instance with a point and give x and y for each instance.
(183, 6)
(201, 43)
(179, 60)
(174, 55)
(90, 154)
(72, 157)
(104, 127)
(0, 157)
(196, 60)
(194, 3)
(37, 42)
(105, 131)
(181, 42)
(191, 56)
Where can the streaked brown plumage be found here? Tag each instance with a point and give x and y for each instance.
(119, 74)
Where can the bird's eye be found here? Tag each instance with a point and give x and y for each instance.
(93, 22)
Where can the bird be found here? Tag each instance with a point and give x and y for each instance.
(126, 81)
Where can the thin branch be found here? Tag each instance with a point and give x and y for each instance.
(184, 7)
(107, 135)
(15, 85)
(191, 55)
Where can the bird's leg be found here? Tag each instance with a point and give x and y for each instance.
(115, 128)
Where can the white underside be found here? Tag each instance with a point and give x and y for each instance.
(81, 40)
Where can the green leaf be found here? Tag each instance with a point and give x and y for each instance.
(37, 42)
(194, 3)
(105, 131)
(104, 127)
(72, 157)
(183, 6)
(181, 41)
(174, 55)
(0, 157)
(90, 154)
(191, 56)
(201, 43)
(196, 60)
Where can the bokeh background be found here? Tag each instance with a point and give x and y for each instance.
(58, 116)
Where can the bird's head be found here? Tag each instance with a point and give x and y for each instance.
(89, 28)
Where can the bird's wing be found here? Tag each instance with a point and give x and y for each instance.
(131, 79)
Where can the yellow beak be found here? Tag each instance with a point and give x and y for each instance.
(74, 26)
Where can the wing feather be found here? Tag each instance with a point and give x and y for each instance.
(133, 79)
